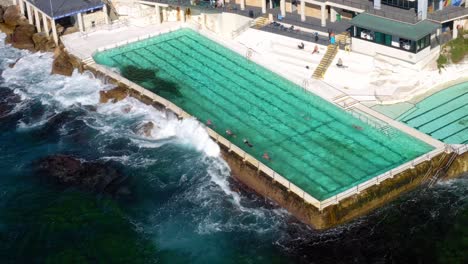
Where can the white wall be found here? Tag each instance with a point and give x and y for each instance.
(231, 22)
(6, 2)
(98, 17)
(373, 49)
(225, 23)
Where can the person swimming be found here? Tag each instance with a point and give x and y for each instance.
(247, 142)
(266, 156)
(357, 127)
(229, 133)
(208, 122)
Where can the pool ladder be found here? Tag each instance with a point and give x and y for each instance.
(345, 101)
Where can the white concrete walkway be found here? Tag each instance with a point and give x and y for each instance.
(284, 51)
(84, 45)
(261, 52)
(386, 80)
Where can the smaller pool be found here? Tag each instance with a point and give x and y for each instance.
(443, 115)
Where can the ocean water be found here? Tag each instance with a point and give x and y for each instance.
(310, 142)
(184, 206)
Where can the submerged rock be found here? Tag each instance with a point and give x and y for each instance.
(62, 63)
(145, 129)
(91, 176)
(114, 95)
(13, 64)
(8, 101)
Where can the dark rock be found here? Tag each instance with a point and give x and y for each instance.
(145, 129)
(114, 95)
(42, 42)
(91, 176)
(62, 63)
(8, 101)
(60, 29)
(13, 64)
(2, 11)
(22, 37)
(12, 15)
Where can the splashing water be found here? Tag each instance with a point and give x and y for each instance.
(184, 199)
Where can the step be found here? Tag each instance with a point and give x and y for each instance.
(89, 61)
(304, 57)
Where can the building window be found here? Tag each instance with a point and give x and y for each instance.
(392, 41)
(405, 4)
(423, 43)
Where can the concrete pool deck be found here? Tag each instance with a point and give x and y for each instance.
(97, 42)
(84, 47)
(380, 79)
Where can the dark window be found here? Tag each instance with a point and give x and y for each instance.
(423, 43)
(401, 3)
(392, 41)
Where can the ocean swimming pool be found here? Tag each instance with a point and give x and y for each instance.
(443, 115)
(315, 145)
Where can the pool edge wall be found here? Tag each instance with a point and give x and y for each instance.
(346, 210)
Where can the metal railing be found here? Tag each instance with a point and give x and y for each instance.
(102, 25)
(261, 167)
(246, 157)
(242, 28)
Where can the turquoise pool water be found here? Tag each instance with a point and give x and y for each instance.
(443, 115)
(312, 143)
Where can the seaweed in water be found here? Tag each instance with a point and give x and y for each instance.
(149, 79)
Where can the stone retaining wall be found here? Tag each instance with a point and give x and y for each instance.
(346, 210)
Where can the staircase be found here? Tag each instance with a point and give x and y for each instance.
(343, 39)
(325, 62)
(113, 15)
(89, 61)
(443, 167)
(344, 101)
(260, 22)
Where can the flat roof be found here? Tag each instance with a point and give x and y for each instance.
(63, 8)
(404, 30)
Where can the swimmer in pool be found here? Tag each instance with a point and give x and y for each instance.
(229, 133)
(247, 143)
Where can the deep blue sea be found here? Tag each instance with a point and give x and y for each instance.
(183, 206)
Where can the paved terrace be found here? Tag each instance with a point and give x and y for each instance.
(100, 40)
(84, 46)
(390, 12)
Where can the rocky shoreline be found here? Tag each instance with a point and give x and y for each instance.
(65, 170)
(22, 35)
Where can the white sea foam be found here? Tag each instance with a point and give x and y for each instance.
(31, 79)
(32, 74)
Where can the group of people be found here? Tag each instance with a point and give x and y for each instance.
(301, 46)
(245, 141)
